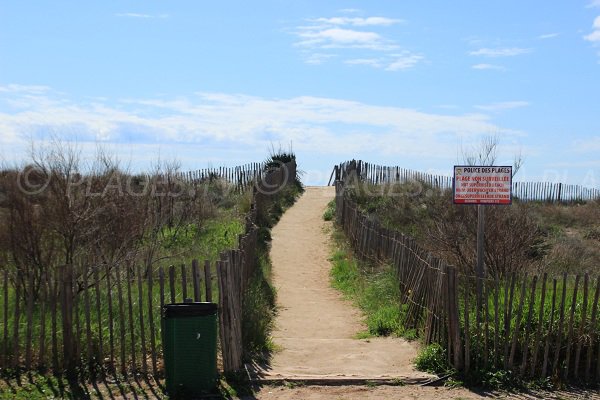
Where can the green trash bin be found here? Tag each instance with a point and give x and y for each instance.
(189, 335)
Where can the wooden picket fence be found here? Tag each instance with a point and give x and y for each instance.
(534, 326)
(108, 317)
(522, 191)
(242, 177)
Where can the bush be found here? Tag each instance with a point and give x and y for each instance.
(433, 359)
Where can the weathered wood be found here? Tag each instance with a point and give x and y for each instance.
(151, 322)
(54, 320)
(560, 324)
(172, 283)
(111, 332)
(140, 289)
(580, 336)
(496, 321)
(540, 324)
(67, 319)
(570, 332)
(467, 335)
(549, 335)
(16, 318)
(29, 316)
(5, 330)
(131, 325)
(161, 285)
(121, 302)
(183, 282)
(527, 325)
(594, 335)
(196, 280)
(100, 355)
(508, 317)
(207, 281)
(44, 300)
(88, 317)
(517, 330)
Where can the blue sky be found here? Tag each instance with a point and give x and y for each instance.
(216, 83)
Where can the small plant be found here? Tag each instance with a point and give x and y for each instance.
(329, 211)
(433, 359)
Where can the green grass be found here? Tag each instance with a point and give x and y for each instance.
(329, 211)
(373, 288)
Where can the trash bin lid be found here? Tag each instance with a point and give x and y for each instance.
(196, 309)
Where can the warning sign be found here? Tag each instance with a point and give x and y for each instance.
(482, 184)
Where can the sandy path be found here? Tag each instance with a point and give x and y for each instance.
(315, 327)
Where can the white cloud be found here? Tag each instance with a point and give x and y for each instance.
(594, 3)
(141, 15)
(207, 120)
(342, 38)
(589, 145)
(357, 21)
(372, 62)
(548, 36)
(594, 37)
(488, 67)
(404, 61)
(318, 58)
(505, 105)
(354, 41)
(500, 52)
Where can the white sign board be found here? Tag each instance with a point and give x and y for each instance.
(482, 184)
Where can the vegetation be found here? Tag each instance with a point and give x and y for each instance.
(374, 288)
(523, 242)
(532, 237)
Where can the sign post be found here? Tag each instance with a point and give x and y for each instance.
(481, 186)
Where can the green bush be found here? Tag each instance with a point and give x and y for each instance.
(433, 359)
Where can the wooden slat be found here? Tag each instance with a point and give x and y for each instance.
(540, 324)
(140, 289)
(172, 283)
(17, 316)
(54, 306)
(527, 325)
(594, 335)
(496, 321)
(86, 311)
(121, 302)
(183, 282)
(29, 316)
(196, 280)
(586, 280)
(207, 281)
(5, 322)
(100, 354)
(151, 322)
(467, 334)
(110, 316)
(161, 285)
(570, 331)
(550, 331)
(508, 317)
(517, 329)
(131, 324)
(44, 299)
(560, 324)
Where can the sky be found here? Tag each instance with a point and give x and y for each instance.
(207, 83)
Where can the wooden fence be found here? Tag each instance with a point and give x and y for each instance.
(108, 317)
(522, 191)
(242, 177)
(535, 326)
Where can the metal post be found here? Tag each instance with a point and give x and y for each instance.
(480, 268)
